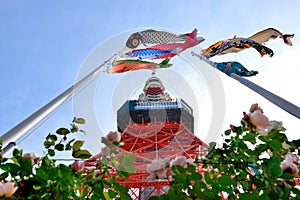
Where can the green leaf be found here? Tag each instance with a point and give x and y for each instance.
(207, 178)
(77, 145)
(68, 145)
(83, 193)
(287, 176)
(177, 169)
(53, 137)
(196, 176)
(227, 132)
(242, 145)
(248, 196)
(74, 128)
(82, 154)
(112, 194)
(199, 185)
(126, 163)
(27, 165)
(47, 144)
(59, 147)
(106, 195)
(40, 173)
(62, 131)
(251, 137)
(4, 175)
(273, 166)
(79, 120)
(122, 174)
(51, 152)
(275, 145)
(225, 181)
(17, 153)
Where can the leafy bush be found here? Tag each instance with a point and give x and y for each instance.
(28, 177)
(255, 161)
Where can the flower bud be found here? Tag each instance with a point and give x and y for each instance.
(77, 165)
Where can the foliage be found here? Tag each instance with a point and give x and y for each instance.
(254, 161)
(45, 178)
(248, 164)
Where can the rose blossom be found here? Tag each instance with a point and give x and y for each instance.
(114, 136)
(182, 161)
(7, 189)
(289, 162)
(260, 121)
(157, 169)
(77, 165)
(275, 125)
(255, 107)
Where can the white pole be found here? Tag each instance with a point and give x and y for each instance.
(277, 100)
(26, 127)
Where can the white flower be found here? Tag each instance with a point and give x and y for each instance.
(77, 165)
(182, 161)
(157, 168)
(179, 160)
(114, 136)
(7, 189)
(275, 125)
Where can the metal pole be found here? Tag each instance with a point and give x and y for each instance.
(27, 126)
(277, 100)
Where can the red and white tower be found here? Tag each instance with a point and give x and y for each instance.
(155, 126)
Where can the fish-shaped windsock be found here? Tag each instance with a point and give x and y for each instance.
(235, 45)
(150, 53)
(234, 67)
(271, 33)
(151, 36)
(191, 40)
(121, 66)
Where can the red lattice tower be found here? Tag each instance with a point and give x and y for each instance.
(154, 127)
(156, 141)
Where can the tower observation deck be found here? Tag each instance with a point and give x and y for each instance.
(155, 105)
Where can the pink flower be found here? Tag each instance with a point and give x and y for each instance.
(289, 157)
(157, 169)
(260, 121)
(255, 107)
(7, 189)
(289, 162)
(77, 165)
(114, 136)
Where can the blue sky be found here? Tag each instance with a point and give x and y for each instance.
(44, 44)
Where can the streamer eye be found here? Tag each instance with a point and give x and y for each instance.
(134, 40)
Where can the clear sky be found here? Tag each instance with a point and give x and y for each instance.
(44, 43)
